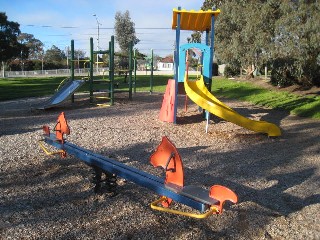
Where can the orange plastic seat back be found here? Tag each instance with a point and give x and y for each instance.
(222, 194)
(61, 127)
(167, 156)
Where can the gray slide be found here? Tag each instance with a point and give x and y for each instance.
(63, 94)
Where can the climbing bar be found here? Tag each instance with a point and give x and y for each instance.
(80, 60)
(121, 70)
(101, 52)
(171, 188)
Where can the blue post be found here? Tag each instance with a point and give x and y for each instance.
(72, 65)
(211, 51)
(176, 61)
(210, 64)
(207, 42)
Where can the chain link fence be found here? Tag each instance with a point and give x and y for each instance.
(77, 72)
(47, 73)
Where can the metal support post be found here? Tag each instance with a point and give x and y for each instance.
(72, 66)
(130, 70)
(111, 70)
(91, 70)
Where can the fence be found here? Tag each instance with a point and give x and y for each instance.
(77, 72)
(44, 73)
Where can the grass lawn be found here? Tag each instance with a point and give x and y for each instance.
(14, 88)
(308, 106)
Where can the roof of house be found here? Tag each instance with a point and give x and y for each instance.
(168, 59)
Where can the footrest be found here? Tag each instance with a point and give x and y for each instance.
(215, 197)
(154, 205)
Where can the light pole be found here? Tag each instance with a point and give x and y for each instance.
(42, 64)
(67, 54)
(42, 59)
(98, 46)
(22, 63)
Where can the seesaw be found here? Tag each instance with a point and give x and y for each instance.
(166, 156)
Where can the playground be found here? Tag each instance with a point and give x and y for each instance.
(276, 180)
(273, 181)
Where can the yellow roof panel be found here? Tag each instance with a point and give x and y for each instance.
(193, 20)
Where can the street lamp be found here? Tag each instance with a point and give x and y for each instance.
(98, 46)
(22, 63)
(67, 54)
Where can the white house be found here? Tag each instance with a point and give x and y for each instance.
(165, 64)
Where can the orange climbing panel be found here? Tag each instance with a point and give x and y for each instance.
(167, 108)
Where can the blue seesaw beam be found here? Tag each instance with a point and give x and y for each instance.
(192, 196)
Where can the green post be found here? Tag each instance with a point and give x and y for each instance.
(72, 66)
(111, 70)
(130, 70)
(135, 70)
(91, 70)
(151, 76)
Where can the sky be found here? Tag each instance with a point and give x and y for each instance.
(56, 22)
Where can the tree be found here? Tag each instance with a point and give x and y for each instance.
(33, 46)
(212, 4)
(125, 31)
(54, 54)
(245, 33)
(9, 45)
(280, 34)
(297, 44)
(79, 54)
(54, 57)
(140, 55)
(195, 37)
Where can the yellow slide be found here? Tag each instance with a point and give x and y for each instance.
(198, 93)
